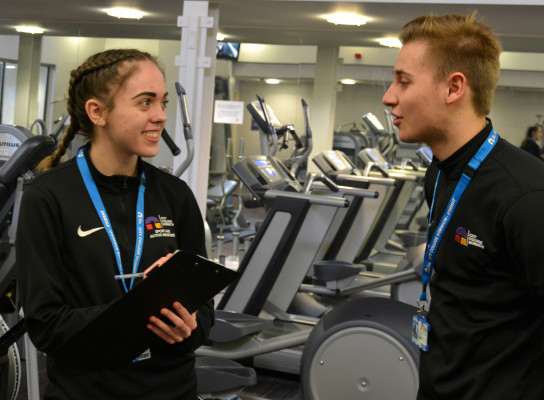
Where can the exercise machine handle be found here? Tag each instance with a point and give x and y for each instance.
(186, 131)
(313, 177)
(309, 143)
(271, 130)
(170, 142)
(339, 202)
(372, 165)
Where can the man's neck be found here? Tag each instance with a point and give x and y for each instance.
(457, 135)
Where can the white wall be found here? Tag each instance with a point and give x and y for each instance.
(9, 47)
(518, 100)
(513, 110)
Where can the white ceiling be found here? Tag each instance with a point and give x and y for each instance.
(273, 21)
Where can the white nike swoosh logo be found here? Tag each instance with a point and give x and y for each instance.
(82, 233)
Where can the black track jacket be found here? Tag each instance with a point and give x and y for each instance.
(487, 309)
(65, 274)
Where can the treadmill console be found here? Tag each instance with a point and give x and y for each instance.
(333, 162)
(262, 173)
(374, 124)
(375, 156)
(267, 171)
(425, 154)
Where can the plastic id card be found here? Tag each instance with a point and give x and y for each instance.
(420, 332)
(146, 355)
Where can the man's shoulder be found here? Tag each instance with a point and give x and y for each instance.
(517, 167)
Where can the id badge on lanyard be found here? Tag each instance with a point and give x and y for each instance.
(103, 215)
(420, 326)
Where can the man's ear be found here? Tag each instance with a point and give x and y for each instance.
(96, 111)
(456, 87)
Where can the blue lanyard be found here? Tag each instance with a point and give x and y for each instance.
(432, 246)
(103, 215)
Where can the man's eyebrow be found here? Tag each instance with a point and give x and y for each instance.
(150, 94)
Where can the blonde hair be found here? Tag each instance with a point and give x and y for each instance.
(97, 78)
(461, 43)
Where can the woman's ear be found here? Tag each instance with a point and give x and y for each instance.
(456, 87)
(96, 112)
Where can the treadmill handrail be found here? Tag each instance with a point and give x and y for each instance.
(349, 190)
(339, 202)
(369, 179)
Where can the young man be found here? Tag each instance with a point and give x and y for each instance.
(486, 335)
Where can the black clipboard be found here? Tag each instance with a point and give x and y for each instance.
(119, 335)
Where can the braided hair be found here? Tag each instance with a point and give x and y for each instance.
(98, 77)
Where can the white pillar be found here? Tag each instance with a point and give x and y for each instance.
(197, 76)
(28, 78)
(323, 106)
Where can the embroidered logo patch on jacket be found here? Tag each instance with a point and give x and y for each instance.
(159, 227)
(466, 238)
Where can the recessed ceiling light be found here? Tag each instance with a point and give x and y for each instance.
(390, 42)
(220, 37)
(29, 29)
(122, 12)
(346, 19)
(347, 82)
(272, 81)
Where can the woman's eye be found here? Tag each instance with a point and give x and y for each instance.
(145, 102)
(165, 104)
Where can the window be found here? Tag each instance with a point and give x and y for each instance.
(8, 82)
(8, 85)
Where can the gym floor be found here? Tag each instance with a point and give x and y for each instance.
(270, 386)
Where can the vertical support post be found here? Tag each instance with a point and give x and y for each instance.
(28, 78)
(32, 375)
(197, 76)
(323, 107)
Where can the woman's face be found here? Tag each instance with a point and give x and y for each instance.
(538, 134)
(135, 123)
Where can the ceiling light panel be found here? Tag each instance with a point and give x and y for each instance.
(346, 19)
(29, 29)
(122, 12)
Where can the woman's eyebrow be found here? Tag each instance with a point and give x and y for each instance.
(151, 94)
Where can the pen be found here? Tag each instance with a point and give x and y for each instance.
(128, 276)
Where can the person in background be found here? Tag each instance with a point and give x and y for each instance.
(66, 261)
(482, 336)
(531, 142)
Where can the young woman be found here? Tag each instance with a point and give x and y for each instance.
(531, 142)
(103, 213)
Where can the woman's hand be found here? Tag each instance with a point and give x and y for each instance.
(181, 327)
(157, 263)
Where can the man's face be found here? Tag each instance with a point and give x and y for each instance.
(417, 101)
